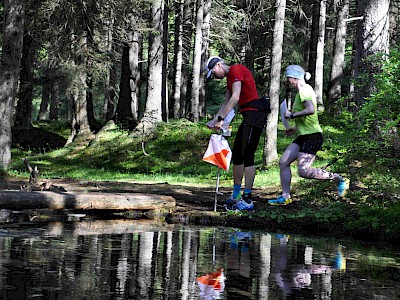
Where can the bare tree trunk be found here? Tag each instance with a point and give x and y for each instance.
(123, 113)
(204, 57)
(319, 63)
(23, 113)
(164, 82)
(13, 32)
(372, 38)
(270, 153)
(312, 55)
(335, 86)
(134, 54)
(152, 113)
(187, 46)
(194, 109)
(177, 64)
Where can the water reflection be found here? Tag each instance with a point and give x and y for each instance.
(124, 259)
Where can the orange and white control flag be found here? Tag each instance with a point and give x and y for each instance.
(218, 152)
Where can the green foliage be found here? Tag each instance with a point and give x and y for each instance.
(381, 112)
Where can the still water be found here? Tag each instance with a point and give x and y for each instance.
(125, 259)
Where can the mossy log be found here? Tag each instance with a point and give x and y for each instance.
(84, 201)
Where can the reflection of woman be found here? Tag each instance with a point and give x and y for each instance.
(308, 141)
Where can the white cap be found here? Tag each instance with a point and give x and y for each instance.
(211, 62)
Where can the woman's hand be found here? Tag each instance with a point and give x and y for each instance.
(290, 131)
(288, 114)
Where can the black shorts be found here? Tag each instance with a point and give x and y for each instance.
(246, 141)
(310, 143)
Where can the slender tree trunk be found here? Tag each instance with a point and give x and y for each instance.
(319, 63)
(123, 113)
(54, 99)
(312, 55)
(177, 64)
(164, 83)
(335, 86)
(134, 54)
(204, 57)
(13, 32)
(270, 153)
(23, 113)
(152, 113)
(187, 46)
(372, 38)
(194, 109)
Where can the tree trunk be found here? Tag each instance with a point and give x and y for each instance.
(164, 84)
(194, 108)
(187, 46)
(177, 63)
(152, 113)
(335, 86)
(372, 38)
(13, 32)
(319, 63)
(134, 55)
(270, 153)
(23, 113)
(204, 57)
(312, 55)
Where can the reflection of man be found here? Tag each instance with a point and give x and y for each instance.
(239, 264)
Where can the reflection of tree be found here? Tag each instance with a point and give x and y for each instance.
(145, 256)
(265, 265)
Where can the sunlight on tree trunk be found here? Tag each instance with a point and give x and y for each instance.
(319, 63)
(270, 153)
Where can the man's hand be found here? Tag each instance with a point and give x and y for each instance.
(287, 114)
(214, 124)
(290, 131)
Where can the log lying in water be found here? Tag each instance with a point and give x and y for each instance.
(84, 201)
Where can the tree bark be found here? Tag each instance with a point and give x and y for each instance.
(204, 56)
(178, 61)
(152, 113)
(188, 15)
(335, 86)
(372, 39)
(270, 153)
(319, 63)
(13, 32)
(194, 103)
(23, 113)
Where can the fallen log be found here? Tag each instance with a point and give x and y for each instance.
(84, 201)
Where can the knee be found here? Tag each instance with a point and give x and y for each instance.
(283, 163)
(304, 173)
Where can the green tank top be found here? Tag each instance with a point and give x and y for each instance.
(307, 124)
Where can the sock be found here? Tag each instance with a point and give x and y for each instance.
(247, 191)
(236, 191)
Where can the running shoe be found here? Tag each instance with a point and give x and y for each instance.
(231, 201)
(243, 205)
(280, 201)
(342, 187)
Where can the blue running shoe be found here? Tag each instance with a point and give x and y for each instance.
(342, 187)
(280, 201)
(231, 201)
(243, 205)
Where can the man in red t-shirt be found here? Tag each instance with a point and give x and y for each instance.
(241, 90)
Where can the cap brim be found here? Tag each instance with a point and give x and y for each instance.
(209, 73)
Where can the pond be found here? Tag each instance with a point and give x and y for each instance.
(131, 259)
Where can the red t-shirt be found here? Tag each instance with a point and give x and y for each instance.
(248, 91)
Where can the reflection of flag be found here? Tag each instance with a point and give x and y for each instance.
(218, 152)
(211, 284)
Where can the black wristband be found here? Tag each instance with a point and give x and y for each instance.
(292, 115)
(219, 118)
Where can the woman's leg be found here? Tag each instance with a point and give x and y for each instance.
(305, 161)
(290, 155)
